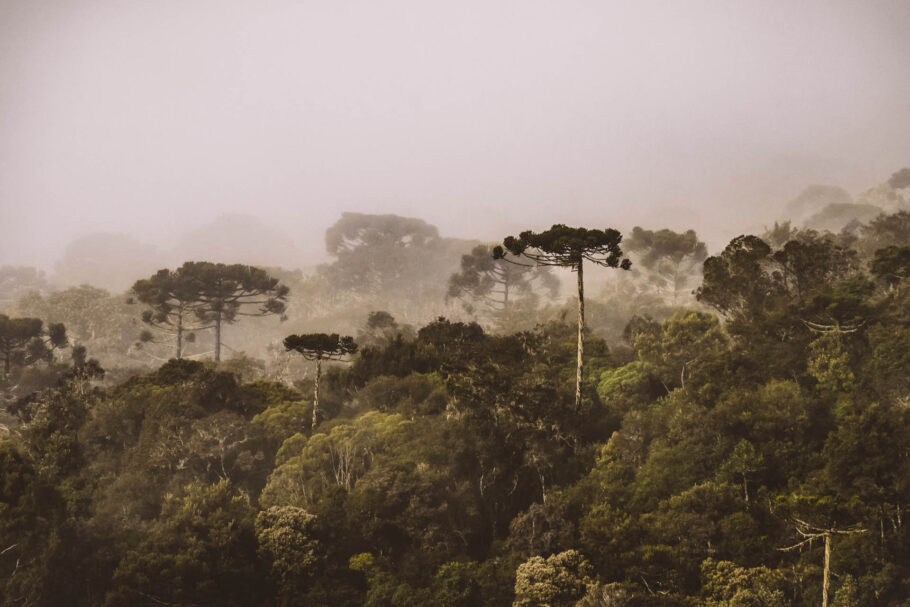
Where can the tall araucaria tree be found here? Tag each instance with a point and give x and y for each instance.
(226, 292)
(172, 298)
(319, 347)
(568, 248)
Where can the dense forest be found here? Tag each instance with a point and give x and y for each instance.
(429, 421)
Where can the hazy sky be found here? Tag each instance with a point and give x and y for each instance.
(483, 118)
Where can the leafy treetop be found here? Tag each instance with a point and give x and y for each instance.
(356, 230)
(24, 341)
(321, 346)
(565, 246)
(224, 289)
(659, 245)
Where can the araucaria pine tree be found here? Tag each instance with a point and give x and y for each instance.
(228, 291)
(569, 248)
(24, 341)
(172, 298)
(319, 347)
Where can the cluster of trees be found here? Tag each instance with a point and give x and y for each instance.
(746, 442)
(205, 295)
(411, 269)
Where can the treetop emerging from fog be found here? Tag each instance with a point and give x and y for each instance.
(358, 229)
(565, 246)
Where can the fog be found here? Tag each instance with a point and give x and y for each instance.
(155, 119)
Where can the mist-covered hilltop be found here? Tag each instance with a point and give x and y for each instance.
(416, 421)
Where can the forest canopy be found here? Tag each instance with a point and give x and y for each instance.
(738, 433)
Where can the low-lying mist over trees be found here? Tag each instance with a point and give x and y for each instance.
(454, 304)
(422, 420)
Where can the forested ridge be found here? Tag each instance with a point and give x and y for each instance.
(739, 434)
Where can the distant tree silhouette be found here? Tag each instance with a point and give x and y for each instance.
(891, 264)
(173, 298)
(569, 248)
(375, 252)
(494, 281)
(226, 292)
(900, 179)
(24, 341)
(18, 281)
(671, 256)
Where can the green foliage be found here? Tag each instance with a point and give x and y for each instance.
(887, 230)
(320, 346)
(24, 341)
(285, 536)
(284, 419)
(888, 361)
(568, 247)
(557, 581)
(453, 469)
(544, 528)
(735, 281)
(565, 246)
(829, 364)
(686, 340)
(628, 386)
(31, 511)
(339, 458)
(891, 264)
(381, 330)
(172, 298)
(743, 462)
(727, 585)
(416, 394)
(849, 594)
(223, 291)
(216, 293)
(456, 585)
(201, 550)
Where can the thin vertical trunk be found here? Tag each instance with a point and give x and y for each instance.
(505, 297)
(676, 283)
(581, 335)
(543, 488)
(218, 336)
(179, 332)
(316, 394)
(881, 528)
(827, 580)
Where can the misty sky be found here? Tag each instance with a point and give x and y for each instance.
(484, 118)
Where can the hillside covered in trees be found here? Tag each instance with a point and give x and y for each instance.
(428, 421)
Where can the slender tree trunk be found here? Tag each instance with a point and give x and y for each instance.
(179, 333)
(505, 296)
(543, 488)
(218, 337)
(827, 579)
(316, 394)
(6, 362)
(581, 335)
